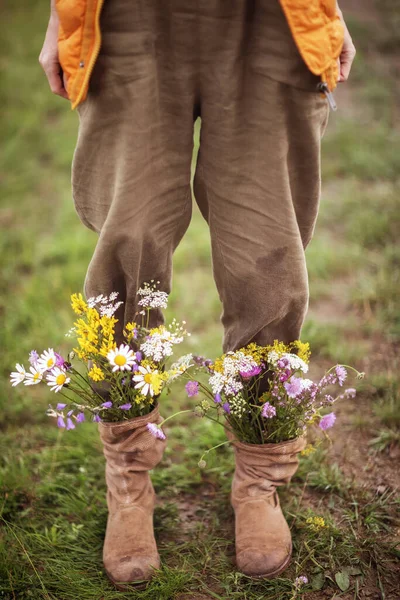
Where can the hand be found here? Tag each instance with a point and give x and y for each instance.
(49, 59)
(348, 52)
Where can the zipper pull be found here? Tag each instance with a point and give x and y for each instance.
(323, 87)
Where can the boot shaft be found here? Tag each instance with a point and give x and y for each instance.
(261, 468)
(131, 451)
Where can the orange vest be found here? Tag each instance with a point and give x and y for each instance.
(315, 26)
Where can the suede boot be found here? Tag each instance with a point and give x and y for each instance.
(263, 539)
(130, 551)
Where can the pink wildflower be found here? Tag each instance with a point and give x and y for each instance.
(156, 431)
(327, 421)
(294, 387)
(256, 370)
(341, 374)
(268, 411)
(192, 388)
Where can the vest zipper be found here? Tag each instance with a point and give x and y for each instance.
(95, 54)
(324, 89)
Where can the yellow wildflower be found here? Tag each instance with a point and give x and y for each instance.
(316, 523)
(309, 449)
(157, 382)
(107, 345)
(302, 349)
(107, 325)
(96, 373)
(278, 347)
(78, 304)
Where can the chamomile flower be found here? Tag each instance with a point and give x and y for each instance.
(145, 380)
(18, 376)
(35, 376)
(47, 360)
(121, 358)
(57, 378)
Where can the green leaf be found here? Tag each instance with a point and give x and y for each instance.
(343, 580)
(317, 582)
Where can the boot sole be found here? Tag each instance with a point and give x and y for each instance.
(278, 571)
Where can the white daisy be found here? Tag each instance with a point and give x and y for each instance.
(47, 360)
(122, 358)
(145, 380)
(35, 376)
(18, 376)
(57, 378)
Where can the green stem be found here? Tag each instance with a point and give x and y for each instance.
(213, 448)
(181, 412)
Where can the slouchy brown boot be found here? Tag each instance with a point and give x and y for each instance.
(130, 551)
(263, 540)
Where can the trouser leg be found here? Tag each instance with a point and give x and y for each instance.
(258, 179)
(131, 167)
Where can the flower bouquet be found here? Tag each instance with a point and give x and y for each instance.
(133, 373)
(289, 403)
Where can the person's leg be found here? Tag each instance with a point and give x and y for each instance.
(131, 184)
(258, 173)
(131, 167)
(258, 183)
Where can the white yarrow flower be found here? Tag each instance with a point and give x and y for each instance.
(18, 376)
(121, 358)
(296, 363)
(57, 378)
(152, 298)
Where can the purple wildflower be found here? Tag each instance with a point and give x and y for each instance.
(226, 407)
(299, 581)
(156, 431)
(107, 404)
(60, 421)
(126, 406)
(70, 424)
(294, 387)
(139, 356)
(217, 398)
(60, 406)
(327, 421)
(96, 419)
(350, 392)
(33, 357)
(256, 370)
(59, 360)
(268, 411)
(198, 360)
(80, 417)
(341, 374)
(284, 376)
(192, 388)
(329, 399)
(282, 363)
(329, 379)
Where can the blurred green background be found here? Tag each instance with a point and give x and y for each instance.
(52, 501)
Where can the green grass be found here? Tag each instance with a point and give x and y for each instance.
(52, 490)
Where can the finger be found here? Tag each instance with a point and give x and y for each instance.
(346, 62)
(65, 81)
(55, 82)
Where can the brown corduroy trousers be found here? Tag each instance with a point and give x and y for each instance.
(162, 64)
